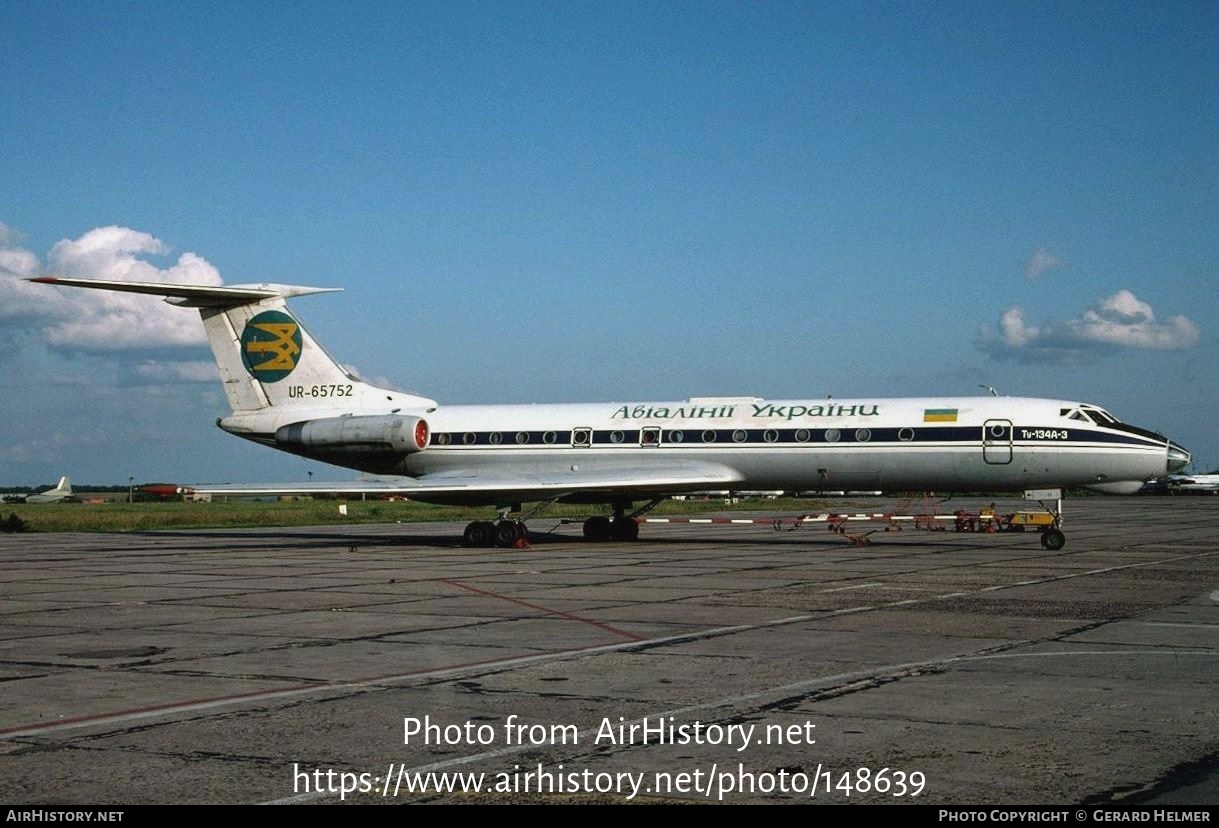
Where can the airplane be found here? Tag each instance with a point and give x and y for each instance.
(286, 392)
(1193, 484)
(60, 492)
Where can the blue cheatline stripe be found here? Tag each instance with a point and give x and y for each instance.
(755, 437)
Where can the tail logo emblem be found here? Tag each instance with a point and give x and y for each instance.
(271, 346)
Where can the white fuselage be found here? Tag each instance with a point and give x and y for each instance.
(938, 444)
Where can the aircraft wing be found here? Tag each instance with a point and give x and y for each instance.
(484, 486)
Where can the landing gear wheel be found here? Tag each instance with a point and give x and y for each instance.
(624, 529)
(1053, 540)
(597, 528)
(507, 532)
(479, 534)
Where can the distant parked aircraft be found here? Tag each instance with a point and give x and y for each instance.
(1193, 484)
(61, 492)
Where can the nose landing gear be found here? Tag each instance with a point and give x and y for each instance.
(1053, 539)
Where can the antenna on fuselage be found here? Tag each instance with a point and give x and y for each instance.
(989, 388)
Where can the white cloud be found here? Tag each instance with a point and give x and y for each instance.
(18, 298)
(1040, 262)
(17, 262)
(84, 320)
(1121, 321)
(1013, 330)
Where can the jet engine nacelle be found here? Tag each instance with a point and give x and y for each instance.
(378, 434)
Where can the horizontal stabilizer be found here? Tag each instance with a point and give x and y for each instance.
(193, 296)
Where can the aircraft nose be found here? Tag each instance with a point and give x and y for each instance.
(1178, 457)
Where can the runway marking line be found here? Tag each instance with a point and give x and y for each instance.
(558, 613)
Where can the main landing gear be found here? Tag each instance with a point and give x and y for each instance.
(601, 528)
(506, 533)
(485, 534)
(509, 532)
(621, 527)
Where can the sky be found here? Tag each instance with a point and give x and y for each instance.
(571, 201)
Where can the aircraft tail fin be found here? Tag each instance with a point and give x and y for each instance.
(64, 486)
(266, 357)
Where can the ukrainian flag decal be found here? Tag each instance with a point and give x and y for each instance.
(939, 415)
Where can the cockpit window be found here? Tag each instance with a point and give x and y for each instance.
(1100, 416)
(1074, 414)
